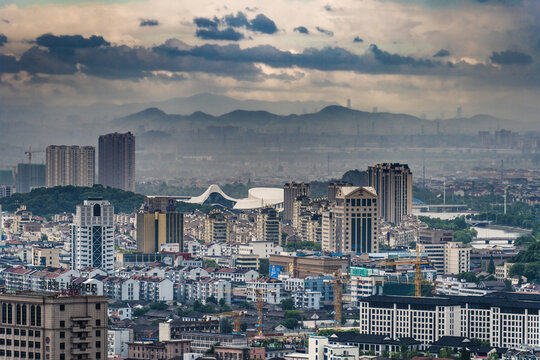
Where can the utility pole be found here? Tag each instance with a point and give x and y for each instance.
(444, 192)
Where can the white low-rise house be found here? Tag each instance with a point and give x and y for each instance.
(293, 284)
(270, 288)
(46, 279)
(200, 290)
(193, 247)
(320, 349)
(453, 286)
(235, 275)
(261, 248)
(363, 286)
(118, 340)
(193, 273)
(307, 299)
(154, 289)
(120, 312)
(122, 289)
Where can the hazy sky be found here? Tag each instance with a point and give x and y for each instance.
(410, 56)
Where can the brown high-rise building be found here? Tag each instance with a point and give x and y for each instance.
(393, 184)
(291, 191)
(158, 224)
(117, 161)
(48, 326)
(70, 165)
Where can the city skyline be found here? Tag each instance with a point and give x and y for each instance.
(418, 57)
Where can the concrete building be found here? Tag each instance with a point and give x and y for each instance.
(239, 353)
(158, 350)
(118, 339)
(393, 184)
(29, 176)
(352, 225)
(448, 258)
(216, 227)
(333, 188)
(159, 224)
(435, 236)
(321, 349)
(293, 190)
(504, 320)
(502, 271)
(271, 290)
(92, 235)
(268, 225)
(261, 248)
(302, 266)
(45, 256)
(70, 165)
(203, 341)
(117, 161)
(37, 326)
(300, 205)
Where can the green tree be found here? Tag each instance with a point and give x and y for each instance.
(158, 306)
(385, 353)
(287, 304)
(464, 354)
(508, 285)
(290, 323)
(467, 276)
(491, 266)
(226, 326)
(294, 314)
(446, 352)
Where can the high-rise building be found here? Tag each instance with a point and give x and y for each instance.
(6, 177)
(268, 225)
(216, 227)
(333, 188)
(301, 205)
(29, 176)
(159, 223)
(92, 235)
(38, 326)
(70, 165)
(293, 190)
(393, 184)
(117, 161)
(351, 224)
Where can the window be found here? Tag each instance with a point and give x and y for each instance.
(62, 307)
(38, 315)
(30, 332)
(98, 322)
(37, 345)
(23, 354)
(98, 355)
(62, 334)
(16, 332)
(98, 332)
(62, 356)
(23, 343)
(37, 356)
(98, 344)
(98, 306)
(30, 344)
(37, 333)
(62, 323)
(62, 346)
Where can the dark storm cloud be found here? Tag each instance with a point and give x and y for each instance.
(224, 28)
(215, 34)
(386, 58)
(358, 39)
(263, 24)
(324, 31)
(301, 30)
(442, 53)
(66, 44)
(510, 57)
(3, 39)
(8, 64)
(149, 22)
(203, 22)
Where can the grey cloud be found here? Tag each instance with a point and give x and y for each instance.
(358, 39)
(510, 57)
(149, 22)
(66, 44)
(238, 20)
(205, 22)
(301, 30)
(442, 53)
(388, 59)
(324, 31)
(8, 64)
(215, 34)
(263, 24)
(3, 39)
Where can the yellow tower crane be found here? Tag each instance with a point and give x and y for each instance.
(236, 316)
(338, 282)
(260, 310)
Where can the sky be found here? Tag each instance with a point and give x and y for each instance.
(417, 56)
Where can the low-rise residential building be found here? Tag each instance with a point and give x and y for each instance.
(235, 275)
(270, 288)
(154, 289)
(200, 290)
(158, 350)
(118, 339)
(321, 349)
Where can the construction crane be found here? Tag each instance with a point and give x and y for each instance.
(260, 309)
(338, 282)
(418, 262)
(30, 152)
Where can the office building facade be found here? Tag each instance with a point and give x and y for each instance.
(41, 327)
(503, 319)
(158, 224)
(70, 165)
(293, 190)
(333, 188)
(92, 236)
(117, 161)
(351, 224)
(268, 225)
(29, 176)
(216, 227)
(393, 185)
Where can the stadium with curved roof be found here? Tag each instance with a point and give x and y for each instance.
(258, 197)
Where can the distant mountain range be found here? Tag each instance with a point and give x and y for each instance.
(332, 119)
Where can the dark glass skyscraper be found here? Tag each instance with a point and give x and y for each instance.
(117, 161)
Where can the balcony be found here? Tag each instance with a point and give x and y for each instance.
(80, 340)
(80, 351)
(80, 328)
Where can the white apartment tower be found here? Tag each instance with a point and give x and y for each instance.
(92, 235)
(351, 224)
(393, 184)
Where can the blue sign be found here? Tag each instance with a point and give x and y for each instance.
(275, 270)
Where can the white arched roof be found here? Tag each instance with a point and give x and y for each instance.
(214, 188)
(258, 197)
